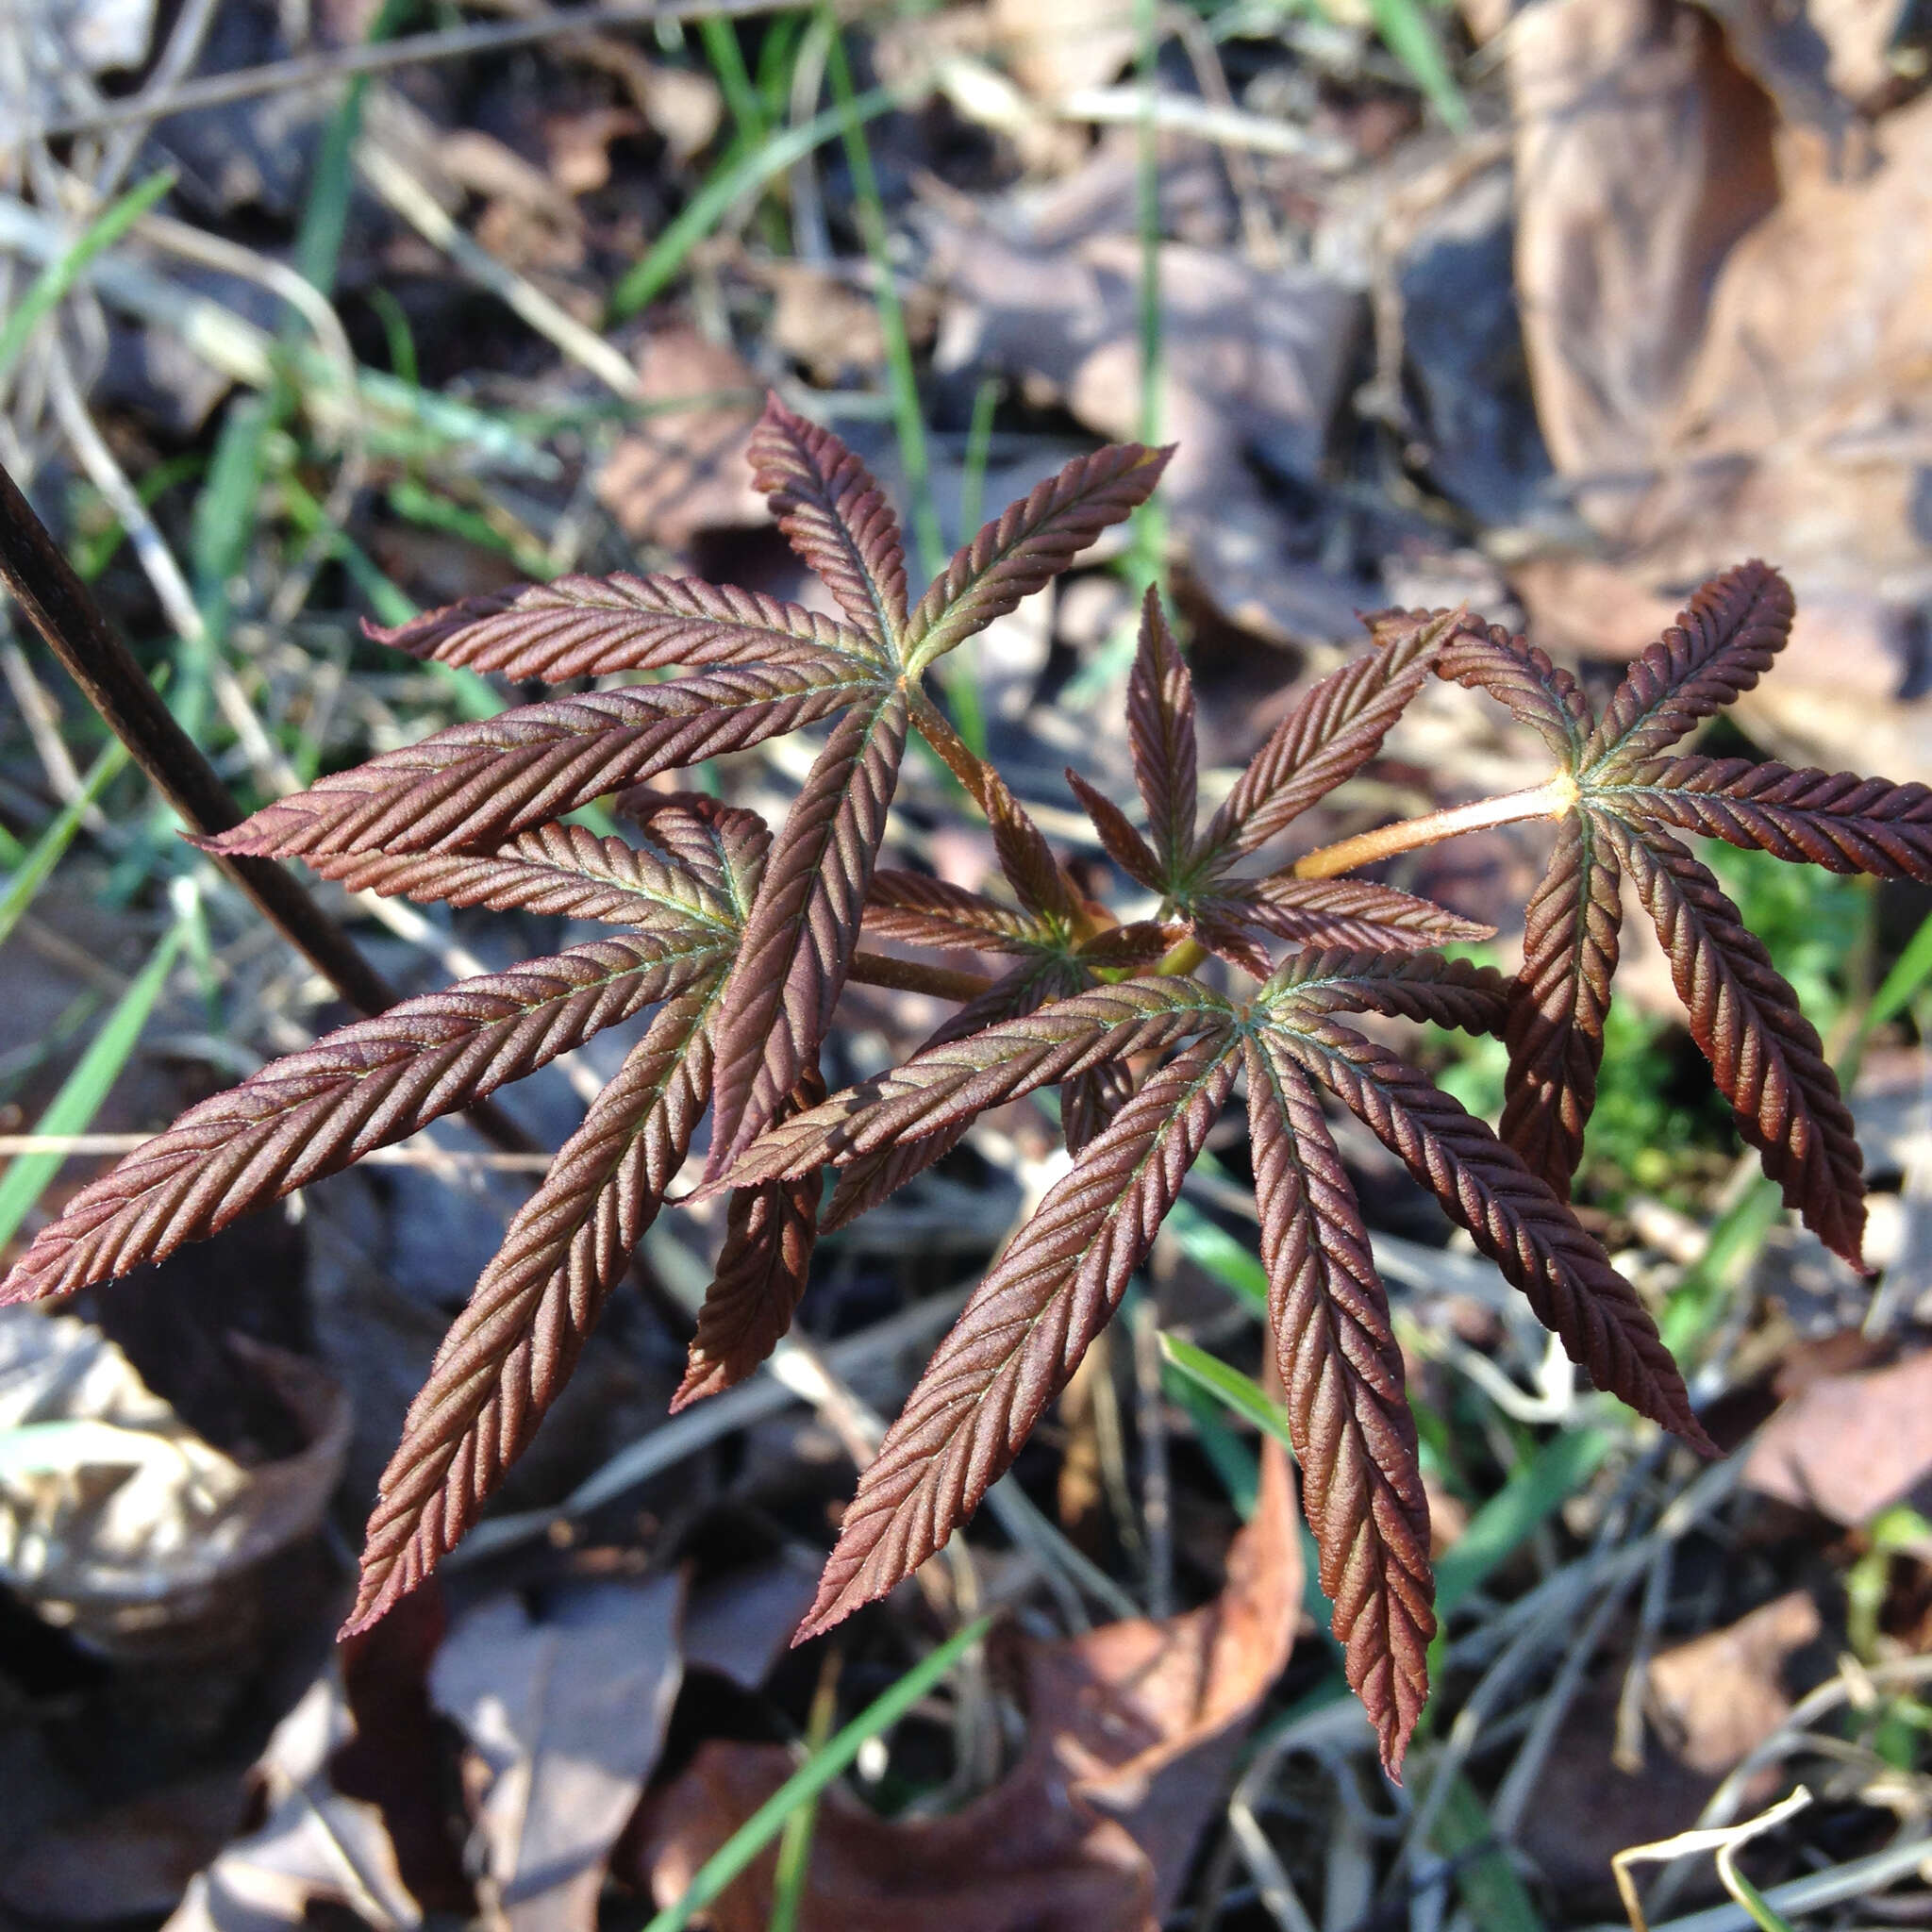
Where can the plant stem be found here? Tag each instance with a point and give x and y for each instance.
(910, 975)
(62, 609)
(1549, 800)
(959, 755)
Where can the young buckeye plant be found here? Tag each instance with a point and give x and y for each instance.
(737, 944)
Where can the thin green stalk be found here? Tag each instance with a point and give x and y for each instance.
(743, 170)
(986, 402)
(794, 1848)
(79, 1099)
(727, 62)
(1149, 525)
(811, 1778)
(48, 289)
(45, 852)
(1409, 33)
(869, 209)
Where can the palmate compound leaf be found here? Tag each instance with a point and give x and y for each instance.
(1626, 793)
(579, 626)
(1767, 1060)
(1022, 1332)
(511, 1350)
(363, 1087)
(1341, 1369)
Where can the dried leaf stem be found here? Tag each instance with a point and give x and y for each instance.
(1554, 796)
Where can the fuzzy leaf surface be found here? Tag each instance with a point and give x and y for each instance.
(1026, 859)
(836, 518)
(476, 784)
(1835, 818)
(361, 1087)
(962, 1077)
(1356, 913)
(1511, 1215)
(1028, 544)
(1719, 647)
(558, 869)
(1022, 1332)
(1542, 695)
(1160, 737)
(582, 626)
(1554, 1032)
(803, 930)
(1767, 1057)
(1089, 1101)
(1328, 737)
(1122, 842)
(770, 1232)
(509, 1352)
(1341, 1368)
(1404, 985)
(868, 1180)
(911, 909)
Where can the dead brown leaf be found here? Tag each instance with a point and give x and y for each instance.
(565, 1710)
(1254, 363)
(1725, 281)
(683, 470)
(1133, 1731)
(1851, 1445)
(1722, 1694)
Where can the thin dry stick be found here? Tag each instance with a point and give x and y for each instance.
(272, 770)
(74, 627)
(311, 70)
(408, 198)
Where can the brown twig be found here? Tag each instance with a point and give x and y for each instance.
(309, 70)
(62, 609)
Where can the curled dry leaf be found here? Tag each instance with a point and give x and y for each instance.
(1133, 1733)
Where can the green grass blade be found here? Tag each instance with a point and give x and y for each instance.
(1228, 1386)
(1215, 1252)
(47, 849)
(1537, 1490)
(47, 289)
(1903, 984)
(1232, 1460)
(727, 62)
(819, 1770)
(794, 1848)
(1409, 34)
(743, 170)
(1484, 1876)
(79, 1099)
